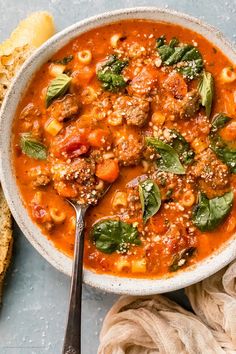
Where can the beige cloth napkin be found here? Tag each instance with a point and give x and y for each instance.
(154, 324)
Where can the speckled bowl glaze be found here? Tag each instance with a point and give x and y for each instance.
(44, 246)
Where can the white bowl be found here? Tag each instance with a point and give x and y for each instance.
(44, 246)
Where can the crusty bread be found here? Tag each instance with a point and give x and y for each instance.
(30, 34)
(6, 239)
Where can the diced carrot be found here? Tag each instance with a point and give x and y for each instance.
(229, 132)
(108, 170)
(98, 137)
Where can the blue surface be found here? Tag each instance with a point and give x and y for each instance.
(33, 316)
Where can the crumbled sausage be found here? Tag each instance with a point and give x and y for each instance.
(133, 109)
(64, 108)
(40, 176)
(30, 112)
(211, 173)
(129, 150)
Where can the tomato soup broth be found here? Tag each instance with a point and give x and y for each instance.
(150, 109)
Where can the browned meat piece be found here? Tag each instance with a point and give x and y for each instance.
(30, 112)
(40, 176)
(211, 173)
(185, 108)
(76, 180)
(145, 81)
(190, 104)
(65, 107)
(129, 150)
(133, 109)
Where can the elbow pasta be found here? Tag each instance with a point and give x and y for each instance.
(115, 40)
(119, 200)
(85, 56)
(188, 199)
(57, 216)
(228, 75)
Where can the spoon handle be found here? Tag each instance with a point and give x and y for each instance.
(72, 341)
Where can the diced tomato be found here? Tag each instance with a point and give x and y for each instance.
(98, 137)
(108, 170)
(73, 144)
(83, 76)
(158, 223)
(75, 147)
(39, 213)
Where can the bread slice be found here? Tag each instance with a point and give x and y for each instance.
(6, 239)
(29, 34)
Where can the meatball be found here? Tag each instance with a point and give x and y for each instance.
(185, 108)
(133, 109)
(64, 108)
(76, 180)
(145, 81)
(129, 151)
(212, 174)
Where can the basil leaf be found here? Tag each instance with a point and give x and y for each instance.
(32, 147)
(188, 58)
(182, 147)
(181, 258)
(209, 213)
(65, 60)
(169, 160)
(110, 74)
(222, 149)
(150, 197)
(113, 235)
(206, 91)
(57, 88)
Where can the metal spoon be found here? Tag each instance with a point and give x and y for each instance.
(72, 340)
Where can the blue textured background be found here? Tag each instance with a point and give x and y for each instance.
(32, 319)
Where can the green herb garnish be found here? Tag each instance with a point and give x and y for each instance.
(110, 74)
(209, 213)
(57, 88)
(113, 235)
(169, 160)
(182, 147)
(65, 60)
(221, 148)
(206, 91)
(150, 198)
(181, 258)
(185, 57)
(32, 147)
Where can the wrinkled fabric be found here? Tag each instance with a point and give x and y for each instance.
(151, 325)
(214, 302)
(155, 324)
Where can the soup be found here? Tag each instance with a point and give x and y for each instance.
(148, 109)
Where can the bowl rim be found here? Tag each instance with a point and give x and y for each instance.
(109, 283)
